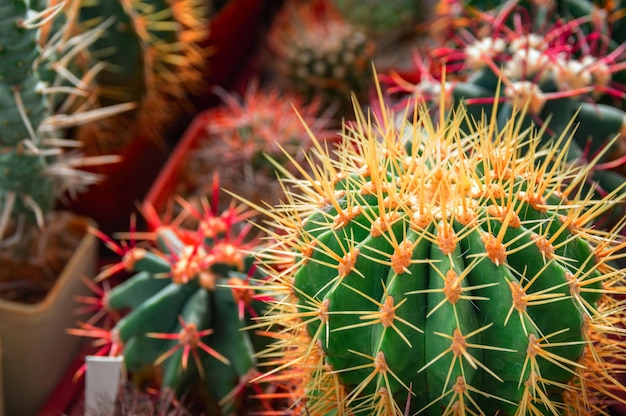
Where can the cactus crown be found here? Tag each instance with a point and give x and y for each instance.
(246, 130)
(437, 267)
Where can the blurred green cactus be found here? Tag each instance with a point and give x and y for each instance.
(378, 18)
(152, 56)
(35, 84)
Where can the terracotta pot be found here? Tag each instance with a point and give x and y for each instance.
(36, 350)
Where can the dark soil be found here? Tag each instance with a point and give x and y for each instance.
(30, 266)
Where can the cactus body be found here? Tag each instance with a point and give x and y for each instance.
(35, 167)
(442, 271)
(152, 57)
(377, 18)
(22, 173)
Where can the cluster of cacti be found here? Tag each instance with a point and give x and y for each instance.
(318, 54)
(152, 56)
(450, 15)
(187, 301)
(601, 21)
(556, 69)
(35, 164)
(376, 18)
(601, 24)
(241, 135)
(447, 257)
(439, 269)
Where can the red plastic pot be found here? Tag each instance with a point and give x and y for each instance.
(234, 34)
(167, 182)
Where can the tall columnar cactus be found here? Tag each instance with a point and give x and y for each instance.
(557, 70)
(438, 270)
(34, 166)
(152, 56)
(187, 301)
(317, 53)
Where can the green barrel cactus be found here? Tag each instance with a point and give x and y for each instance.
(425, 268)
(182, 311)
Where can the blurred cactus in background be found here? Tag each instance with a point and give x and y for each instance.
(151, 56)
(132, 400)
(377, 18)
(316, 53)
(244, 133)
(605, 17)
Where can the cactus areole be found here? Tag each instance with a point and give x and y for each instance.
(440, 271)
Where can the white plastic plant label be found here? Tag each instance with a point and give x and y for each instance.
(102, 381)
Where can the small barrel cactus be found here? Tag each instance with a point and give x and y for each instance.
(182, 311)
(318, 53)
(242, 133)
(436, 270)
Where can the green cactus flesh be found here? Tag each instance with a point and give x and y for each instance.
(379, 18)
(153, 58)
(446, 272)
